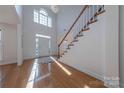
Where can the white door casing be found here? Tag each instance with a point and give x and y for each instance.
(1, 44)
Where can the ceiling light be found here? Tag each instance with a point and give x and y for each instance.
(55, 8)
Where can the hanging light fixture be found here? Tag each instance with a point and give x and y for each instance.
(55, 8)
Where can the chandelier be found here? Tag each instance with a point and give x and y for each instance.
(55, 8)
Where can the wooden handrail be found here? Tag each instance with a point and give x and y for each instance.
(85, 7)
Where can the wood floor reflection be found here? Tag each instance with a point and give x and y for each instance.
(35, 74)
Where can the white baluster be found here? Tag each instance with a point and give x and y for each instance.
(97, 8)
(83, 21)
(102, 7)
(93, 13)
(89, 14)
(80, 24)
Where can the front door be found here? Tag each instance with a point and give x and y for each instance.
(43, 46)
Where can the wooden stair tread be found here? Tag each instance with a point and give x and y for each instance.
(92, 21)
(98, 13)
(79, 35)
(75, 40)
(71, 44)
(85, 29)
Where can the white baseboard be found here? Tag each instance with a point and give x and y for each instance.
(111, 83)
(108, 82)
(87, 72)
(9, 61)
(93, 74)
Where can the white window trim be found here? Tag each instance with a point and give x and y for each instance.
(42, 21)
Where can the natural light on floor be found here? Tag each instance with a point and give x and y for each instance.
(45, 76)
(61, 66)
(31, 79)
(34, 74)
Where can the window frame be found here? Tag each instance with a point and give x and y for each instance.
(36, 16)
(42, 17)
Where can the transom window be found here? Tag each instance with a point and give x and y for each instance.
(42, 17)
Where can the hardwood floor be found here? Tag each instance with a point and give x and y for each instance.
(37, 74)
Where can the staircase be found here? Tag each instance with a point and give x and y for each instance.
(87, 16)
(91, 44)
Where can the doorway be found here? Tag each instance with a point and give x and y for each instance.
(43, 45)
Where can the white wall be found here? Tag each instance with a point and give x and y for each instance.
(9, 43)
(121, 46)
(8, 14)
(30, 29)
(8, 21)
(96, 53)
(66, 16)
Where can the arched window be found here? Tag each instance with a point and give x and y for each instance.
(42, 17)
(44, 12)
